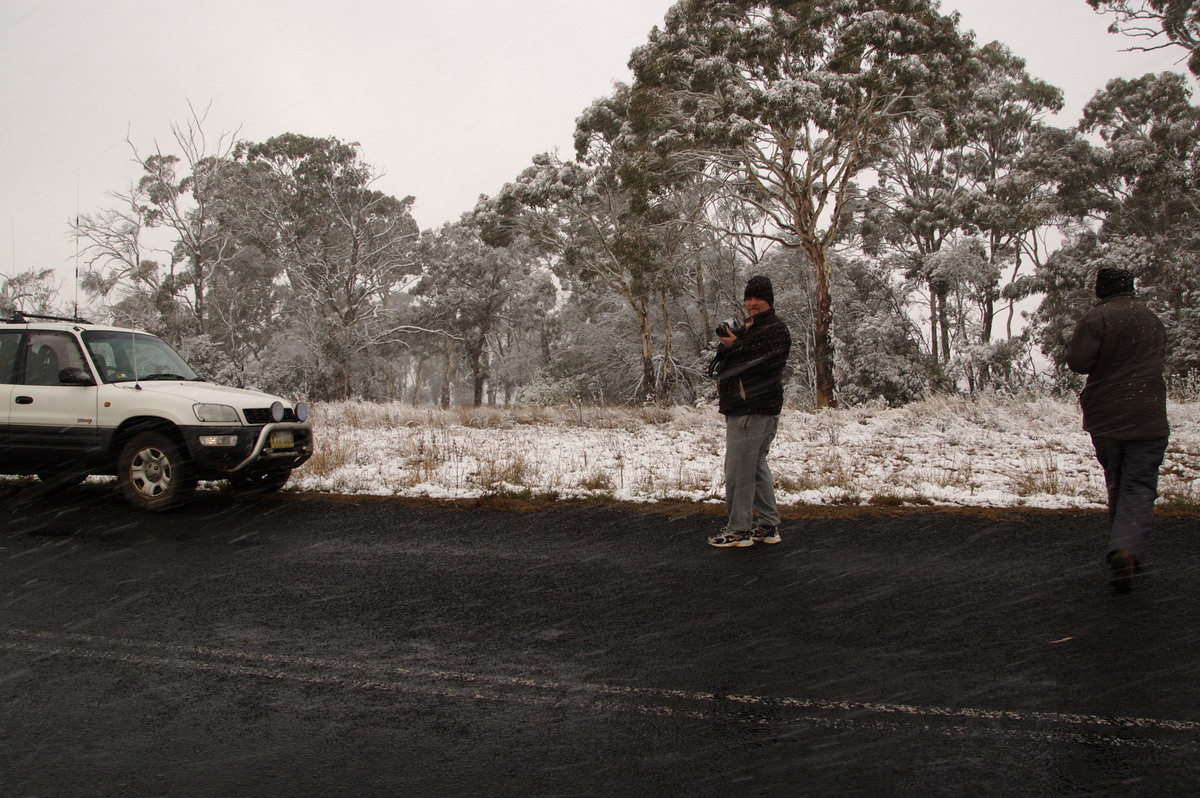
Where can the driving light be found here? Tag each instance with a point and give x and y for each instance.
(277, 411)
(218, 440)
(301, 411)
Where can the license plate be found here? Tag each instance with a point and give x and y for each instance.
(282, 439)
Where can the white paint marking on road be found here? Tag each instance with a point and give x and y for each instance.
(1065, 727)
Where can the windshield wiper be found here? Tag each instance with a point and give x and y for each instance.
(163, 375)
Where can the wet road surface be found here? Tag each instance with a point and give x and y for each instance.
(296, 648)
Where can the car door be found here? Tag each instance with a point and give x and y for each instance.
(52, 426)
(10, 347)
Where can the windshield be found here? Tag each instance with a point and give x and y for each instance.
(130, 357)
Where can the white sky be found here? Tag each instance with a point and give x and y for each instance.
(450, 98)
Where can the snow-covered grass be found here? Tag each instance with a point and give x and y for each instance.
(955, 451)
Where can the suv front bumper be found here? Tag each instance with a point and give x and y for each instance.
(219, 452)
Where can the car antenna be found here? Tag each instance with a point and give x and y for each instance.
(76, 245)
(137, 385)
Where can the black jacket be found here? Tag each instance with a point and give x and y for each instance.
(750, 372)
(1120, 345)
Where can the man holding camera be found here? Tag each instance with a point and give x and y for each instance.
(749, 367)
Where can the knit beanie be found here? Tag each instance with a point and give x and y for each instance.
(1113, 281)
(760, 288)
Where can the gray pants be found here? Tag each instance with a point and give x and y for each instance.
(749, 491)
(1131, 475)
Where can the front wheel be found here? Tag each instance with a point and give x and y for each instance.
(260, 482)
(153, 473)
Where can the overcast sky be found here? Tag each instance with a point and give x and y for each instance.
(449, 98)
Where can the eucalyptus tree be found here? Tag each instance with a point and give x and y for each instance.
(963, 277)
(117, 258)
(914, 220)
(343, 246)
(1001, 114)
(520, 345)
(1133, 192)
(172, 204)
(918, 204)
(1143, 181)
(482, 296)
(723, 249)
(616, 215)
(583, 215)
(791, 101)
(665, 208)
(184, 203)
(879, 348)
(1160, 23)
(1149, 191)
(30, 291)
(245, 308)
(955, 174)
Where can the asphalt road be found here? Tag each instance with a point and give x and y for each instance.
(370, 648)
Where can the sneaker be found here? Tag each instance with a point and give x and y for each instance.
(765, 534)
(1123, 565)
(730, 539)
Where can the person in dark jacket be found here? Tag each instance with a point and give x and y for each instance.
(749, 367)
(1120, 345)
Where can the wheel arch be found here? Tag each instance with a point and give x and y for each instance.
(139, 424)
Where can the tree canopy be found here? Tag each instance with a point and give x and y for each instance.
(927, 228)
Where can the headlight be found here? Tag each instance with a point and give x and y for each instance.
(220, 413)
(301, 411)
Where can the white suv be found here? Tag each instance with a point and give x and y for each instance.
(81, 398)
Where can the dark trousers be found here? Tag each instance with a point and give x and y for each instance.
(1131, 474)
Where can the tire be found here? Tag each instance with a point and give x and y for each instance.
(260, 482)
(153, 473)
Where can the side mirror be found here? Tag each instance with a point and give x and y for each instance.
(73, 375)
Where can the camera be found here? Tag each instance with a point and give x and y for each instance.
(730, 327)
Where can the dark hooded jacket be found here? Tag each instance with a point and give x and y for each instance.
(1120, 345)
(750, 372)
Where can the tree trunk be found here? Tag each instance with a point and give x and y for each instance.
(826, 384)
(416, 391)
(343, 380)
(447, 364)
(933, 326)
(667, 372)
(480, 365)
(1012, 303)
(944, 323)
(477, 393)
(198, 280)
(989, 302)
(702, 304)
(647, 389)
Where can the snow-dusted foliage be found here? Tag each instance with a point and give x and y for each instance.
(926, 229)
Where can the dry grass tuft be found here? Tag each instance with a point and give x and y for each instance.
(504, 473)
(329, 454)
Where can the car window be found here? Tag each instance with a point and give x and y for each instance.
(105, 358)
(48, 353)
(10, 347)
(126, 356)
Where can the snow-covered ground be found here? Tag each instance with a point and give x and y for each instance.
(981, 452)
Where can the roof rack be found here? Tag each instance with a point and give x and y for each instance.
(18, 317)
